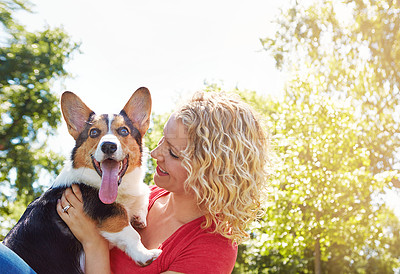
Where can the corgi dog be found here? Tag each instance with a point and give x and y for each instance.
(107, 164)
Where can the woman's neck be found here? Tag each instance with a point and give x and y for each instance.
(182, 207)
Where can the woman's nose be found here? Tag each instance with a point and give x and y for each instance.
(156, 153)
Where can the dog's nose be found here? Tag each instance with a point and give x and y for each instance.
(109, 147)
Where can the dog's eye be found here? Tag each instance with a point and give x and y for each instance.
(94, 132)
(123, 131)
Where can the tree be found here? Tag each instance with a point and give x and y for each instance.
(353, 47)
(29, 112)
(323, 208)
(339, 115)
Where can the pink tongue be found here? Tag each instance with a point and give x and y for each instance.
(109, 185)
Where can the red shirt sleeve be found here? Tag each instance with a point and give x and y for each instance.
(155, 193)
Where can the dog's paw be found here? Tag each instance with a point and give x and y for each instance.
(138, 222)
(149, 257)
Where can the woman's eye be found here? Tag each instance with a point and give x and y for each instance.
(173, 155)
(94, 132)
(123, 131)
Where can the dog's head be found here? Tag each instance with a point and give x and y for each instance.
(111, 145)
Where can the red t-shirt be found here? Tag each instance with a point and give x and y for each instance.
(190, 249)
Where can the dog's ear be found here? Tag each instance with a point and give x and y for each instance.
(138, 109)
(75, 113)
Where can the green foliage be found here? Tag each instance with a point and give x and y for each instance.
(323, 191)
(29, 112)
(352, 47)
(337, 133)
(7, 10)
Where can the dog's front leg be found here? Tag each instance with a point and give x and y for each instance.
(138, 211)
(120, 233)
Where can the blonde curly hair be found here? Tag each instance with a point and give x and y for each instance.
(227, 161)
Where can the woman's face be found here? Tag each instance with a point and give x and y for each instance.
(170, 174)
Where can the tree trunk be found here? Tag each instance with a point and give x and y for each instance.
(317, 255)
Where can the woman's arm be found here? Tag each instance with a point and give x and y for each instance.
(97, 258)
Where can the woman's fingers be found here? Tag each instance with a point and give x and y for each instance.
(73, 197)
(65, 201)
(77, 191)
(61, 212)
(70, 200)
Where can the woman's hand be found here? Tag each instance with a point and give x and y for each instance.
(70, 209)
(82, 226)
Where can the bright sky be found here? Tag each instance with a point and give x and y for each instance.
(170, 46)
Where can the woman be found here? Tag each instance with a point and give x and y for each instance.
(211, 172)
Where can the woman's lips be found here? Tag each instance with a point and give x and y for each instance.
(161, 172)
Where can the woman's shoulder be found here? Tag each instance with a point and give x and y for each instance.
(155, 193)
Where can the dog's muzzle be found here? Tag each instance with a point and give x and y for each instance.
(122, 169)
